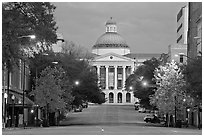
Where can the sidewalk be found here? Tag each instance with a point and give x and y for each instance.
(184, 127)
(17, 128)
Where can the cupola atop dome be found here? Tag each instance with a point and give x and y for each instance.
(111, 25)
(111, 21)
(111, 41)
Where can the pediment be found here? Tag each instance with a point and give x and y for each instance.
(112, 57)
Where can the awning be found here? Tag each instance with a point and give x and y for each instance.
(19, 99)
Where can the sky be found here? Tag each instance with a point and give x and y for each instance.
(147, 27)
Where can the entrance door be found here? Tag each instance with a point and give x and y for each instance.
(128, 99)
(111, 97)
(119, 97)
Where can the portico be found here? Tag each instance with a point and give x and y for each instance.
(113, 70)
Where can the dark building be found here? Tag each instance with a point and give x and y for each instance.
(194, 29)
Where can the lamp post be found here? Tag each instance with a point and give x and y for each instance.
(175, 109)
(188, 115)
(5, 108)
(28, 36)
(13, 99)
(24, 80)
(76, 83)
(24, 77)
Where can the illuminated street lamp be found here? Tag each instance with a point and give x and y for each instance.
(54, 62)
(5, 109)
(144, 83)
(131, 88)
(28, 36)
(32, 111)
(77, 83)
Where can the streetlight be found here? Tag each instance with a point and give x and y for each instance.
(28, 36)
(144, 83)
(5, 108)
(131, 88)
(77, 83)
(24, 78)
(55, 62)
(188, 112)
(13, 99)
(32, 111)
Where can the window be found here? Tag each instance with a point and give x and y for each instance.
(179, 15)
(179, 39)
(179, 27)
(181, 58)
(128, 98)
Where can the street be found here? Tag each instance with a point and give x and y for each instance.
(105, 120)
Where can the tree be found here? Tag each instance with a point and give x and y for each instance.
(171, 90)
(49, 92)
(193, 75)
(76, 65)
(143, 73)
(23, 19)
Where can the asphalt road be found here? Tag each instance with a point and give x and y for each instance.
(105, 120)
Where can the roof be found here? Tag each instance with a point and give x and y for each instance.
(143, 55)
(110, 39)
(111, 21)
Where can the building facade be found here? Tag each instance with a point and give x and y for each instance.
(195, 29)
(182, 25)
(114, 63)
(177, 52)
(14, 84)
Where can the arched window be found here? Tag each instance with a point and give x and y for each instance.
(103, 94)
(128, 98)
(107, 29)
(119, 97)
(111, 97)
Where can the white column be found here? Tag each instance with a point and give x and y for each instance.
(98, 74)
(116, 81)
(106, 77)
(20, 74)
(124, 76)
(98, 71)
(115, 97)
(132, 69)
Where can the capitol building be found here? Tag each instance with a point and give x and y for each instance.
(114, 62)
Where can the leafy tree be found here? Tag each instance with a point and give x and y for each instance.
(143, 73)
(76, 65)
(171, 89)
(193, 75)
(49, 90)
(23, 19)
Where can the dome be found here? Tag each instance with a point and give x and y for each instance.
(109, 39)
(111, 21)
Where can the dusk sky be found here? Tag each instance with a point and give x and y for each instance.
(147, 27)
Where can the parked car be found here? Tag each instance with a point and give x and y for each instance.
(151, 118)
(148, 110)
(141, 110)
(136, 105)
(78, 108)
(85, 104)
